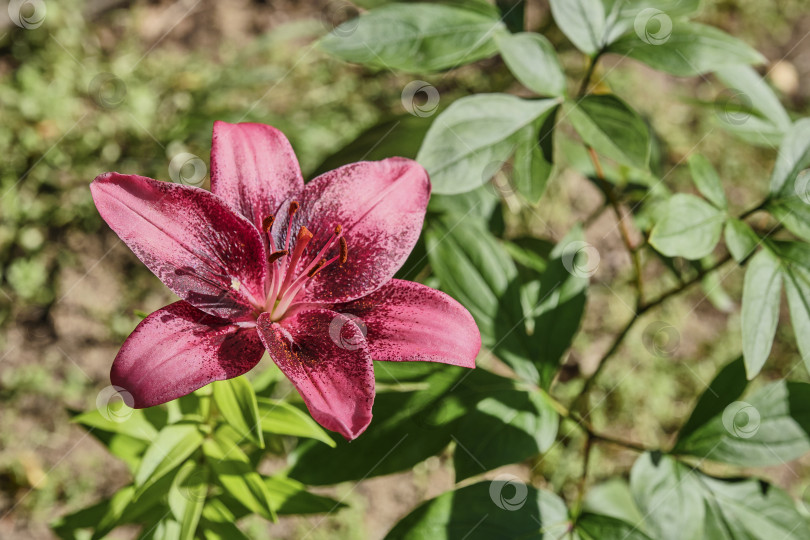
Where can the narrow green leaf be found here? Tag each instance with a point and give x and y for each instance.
(281, 418)
(612, 128)
(689, 227)
(762, 293)
(725, 388)
(470, 139)
(236, 400)
(118, 418)
(503, 508)
(233, 470)
(689, 49)
(173, 445)
(533, 61)
(416, 37)
(741, 240)
(218, 523)
(793, 212)
(582, 21)
(187, 497)
(707, 181)
(649, 18)
(755, 90)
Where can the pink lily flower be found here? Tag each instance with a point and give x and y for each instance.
(266, 262)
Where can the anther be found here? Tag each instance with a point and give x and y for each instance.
(338, 228)
(276, 255)
(294, 208)
(344, 250)
(316, 268)
(267, 223)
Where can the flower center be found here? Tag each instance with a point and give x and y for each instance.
(291, 272)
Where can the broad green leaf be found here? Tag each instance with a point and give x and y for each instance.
(754, 90)
(793, 212)
(187, 497)
(399, 136)
(533, 61)
(793, 157)
(613, 498)
(469, 140)
(280, 418)
(413, 420)
(234, 471)
(650, 18)
(118, 418)
(417, 37)
(502, 509)
(796, 276)
(725, 388)
(599, 527)
(236, 400)
(741, 240)
(707, 181)
(218, 522)
(533, 161)
(582, 21)
(714, 509)
(690, 49)
(762, 292)
(472, 267)
(506, 427)
(750, 509)
(612, 128)
(767, 428)
(173, 445)
(689, 227)
(664, 491)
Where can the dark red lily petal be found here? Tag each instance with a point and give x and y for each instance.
(178, 349)
(323, 354)
(253, 168)
(203, 251)
(407, 321)
(381, 206)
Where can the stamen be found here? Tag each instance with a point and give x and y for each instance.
(338, 229)
(317, 268)
(267, 223)
(344, 250)
(294, 206)
(276, 255)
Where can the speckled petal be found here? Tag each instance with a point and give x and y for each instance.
(407, 321)
(178, 349)
(203, 251)
(323, 354)
(381, 206)
(253, 168)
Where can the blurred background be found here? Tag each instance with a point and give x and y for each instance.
(89, 86)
